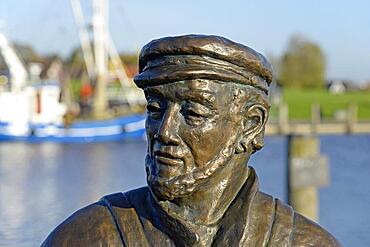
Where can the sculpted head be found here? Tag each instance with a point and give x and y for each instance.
(207, 105)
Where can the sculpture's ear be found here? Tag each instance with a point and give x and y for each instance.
(251, 138)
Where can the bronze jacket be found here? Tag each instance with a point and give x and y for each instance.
(135, 219)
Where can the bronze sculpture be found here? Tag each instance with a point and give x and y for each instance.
(207, 110)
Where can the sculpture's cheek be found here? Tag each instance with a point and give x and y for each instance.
(208, 141)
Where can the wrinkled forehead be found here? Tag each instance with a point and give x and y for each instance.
(209, 88)
(210, 93)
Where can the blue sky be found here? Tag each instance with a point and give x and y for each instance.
(341, 28)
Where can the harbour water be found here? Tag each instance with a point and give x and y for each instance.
(41, 184)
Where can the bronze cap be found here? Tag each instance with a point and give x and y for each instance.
(192, 56)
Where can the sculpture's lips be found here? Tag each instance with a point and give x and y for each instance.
(167, 158)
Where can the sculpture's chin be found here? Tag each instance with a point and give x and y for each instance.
(185, 184)
(169, 188)
(163, 192)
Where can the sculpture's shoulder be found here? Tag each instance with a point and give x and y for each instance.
(290, 228)
(94, 225)
(89, 226)
(308, 233)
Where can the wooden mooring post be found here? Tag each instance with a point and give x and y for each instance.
(307, 170)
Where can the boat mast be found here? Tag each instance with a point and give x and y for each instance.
(84, 38)
(100, 21)
(103, 50)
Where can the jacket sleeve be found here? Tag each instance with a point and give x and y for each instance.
(89, 226)
(308, 233)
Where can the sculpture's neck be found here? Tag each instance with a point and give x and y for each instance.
(207, 205)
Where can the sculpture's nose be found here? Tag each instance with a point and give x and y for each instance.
(168, 129)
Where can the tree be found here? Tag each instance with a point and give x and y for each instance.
(26, 54)
(303, 65)
(76, 64)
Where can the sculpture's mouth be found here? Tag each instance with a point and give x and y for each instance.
(167, 158)
(168, 161)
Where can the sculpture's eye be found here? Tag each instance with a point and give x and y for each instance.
(154, 109)
(195, 113)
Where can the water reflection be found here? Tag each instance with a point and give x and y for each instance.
(41, 184)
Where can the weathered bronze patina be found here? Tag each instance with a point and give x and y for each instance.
(207, 110)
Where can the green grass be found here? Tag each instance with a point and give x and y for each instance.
(75, 86)
(300, 101)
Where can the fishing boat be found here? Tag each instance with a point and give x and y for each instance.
(122, 128)
(34, 112)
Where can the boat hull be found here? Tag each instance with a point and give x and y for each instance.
(128, 127)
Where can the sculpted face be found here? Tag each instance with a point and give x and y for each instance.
(192, 128)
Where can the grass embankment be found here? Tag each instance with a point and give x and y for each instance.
(300, 101)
